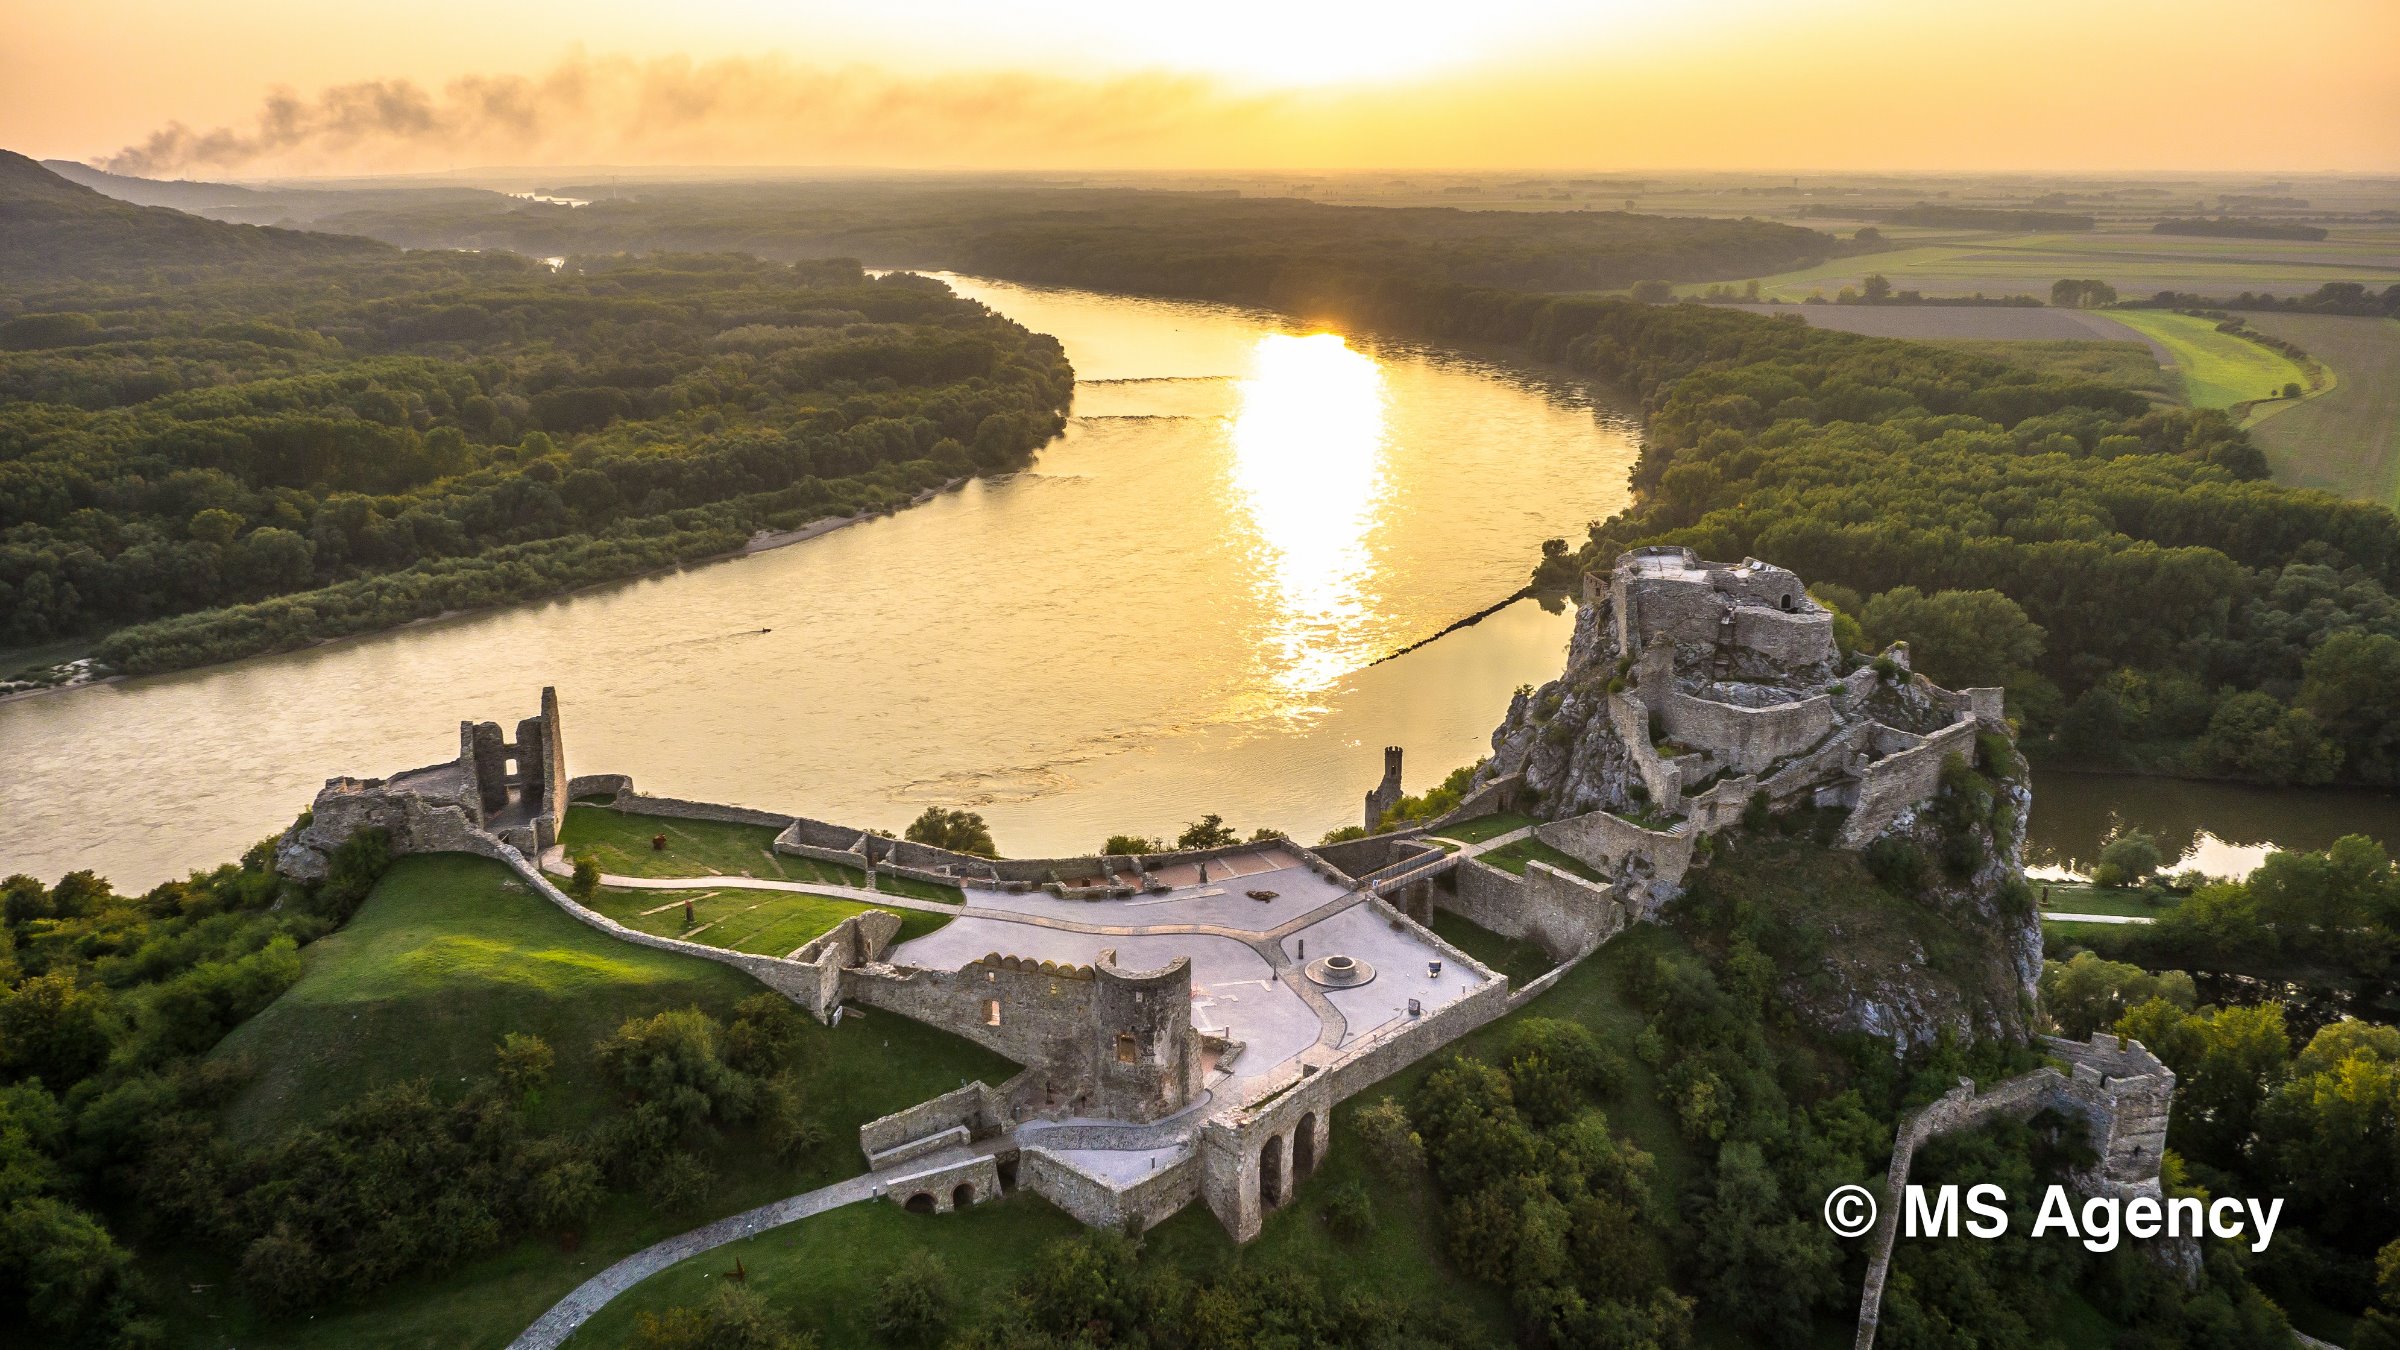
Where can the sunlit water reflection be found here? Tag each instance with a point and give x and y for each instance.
(1173, 611)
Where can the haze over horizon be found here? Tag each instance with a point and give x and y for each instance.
(280, 88)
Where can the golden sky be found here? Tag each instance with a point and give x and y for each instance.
(255, 87)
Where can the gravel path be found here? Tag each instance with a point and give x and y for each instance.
(589, 1297)
(2049, 914)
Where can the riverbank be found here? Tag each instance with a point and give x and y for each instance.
(761, 541)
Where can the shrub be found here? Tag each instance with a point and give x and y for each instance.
(1384, 1131)
(916, 1301)
(523, 1064)
(585, 881)
(1900, 865)
(1350, 1211)
(678, 1184)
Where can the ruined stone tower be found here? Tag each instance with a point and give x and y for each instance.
(1387, 792)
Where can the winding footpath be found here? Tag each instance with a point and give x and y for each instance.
(589, 1297)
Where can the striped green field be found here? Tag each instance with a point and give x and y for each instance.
(2219, 369)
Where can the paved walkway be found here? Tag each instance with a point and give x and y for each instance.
(2050, 914)
(589, 1297)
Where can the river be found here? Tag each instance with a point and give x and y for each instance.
(1178, 609)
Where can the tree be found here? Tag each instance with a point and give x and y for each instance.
(1123, 844)
(2088, 993)
(585, 880)
(1875, 288)
(1653, 292)
(916, 1301)
(2257, 737)
(1209, 831)
(524, 1063)
(957, 831)
(2131, 856)
(1956, 638)
(2347, 684)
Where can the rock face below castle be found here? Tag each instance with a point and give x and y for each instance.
(1693, 688)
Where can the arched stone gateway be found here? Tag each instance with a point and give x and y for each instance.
(962, 1197)
(921, 1203)
(1304, 1148)
(1270, 1173)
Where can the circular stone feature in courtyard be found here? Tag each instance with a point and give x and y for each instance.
(1340, 972)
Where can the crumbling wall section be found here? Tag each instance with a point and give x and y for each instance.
(1746, 739)
(1899, 783)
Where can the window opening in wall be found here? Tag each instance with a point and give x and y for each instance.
(1125, 1047)
(991, 1012)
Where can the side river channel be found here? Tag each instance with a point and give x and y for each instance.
(1179, 608)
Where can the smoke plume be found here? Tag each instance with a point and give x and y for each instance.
(673, 109)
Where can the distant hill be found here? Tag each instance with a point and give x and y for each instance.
(183, 194)
(55, 230)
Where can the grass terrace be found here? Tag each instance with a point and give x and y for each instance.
(619, 842)
(1486, 827)
(1520, 960)
(2075, 898)
(1513, 857)
(763, 923)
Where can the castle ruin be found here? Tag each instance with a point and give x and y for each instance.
(1182, 1031)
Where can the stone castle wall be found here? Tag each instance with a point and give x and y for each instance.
(1901, 782)
(1099, 1204)
(1746, 739)
(1793, 641)
(1609, 843)
(975, 1110)
(1561, 913)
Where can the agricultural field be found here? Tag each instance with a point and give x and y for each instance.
(760, 922)
(1991, 323)
(2134, 365)
(2347, 439)
(2219, 369)
(2136, 262)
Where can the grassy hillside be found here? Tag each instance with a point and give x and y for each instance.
(449, 953)
(2347, 439)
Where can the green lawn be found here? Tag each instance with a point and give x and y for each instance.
(1521, 961)
(1486, 827)
(766, 923)
(2219, 369)
(619, 843)
(449, 953)
(1513, 857)
(2066, 898)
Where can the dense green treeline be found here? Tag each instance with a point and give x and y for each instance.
(1215, 246)
(332, 448)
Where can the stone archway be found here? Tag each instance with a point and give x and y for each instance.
(962, 1197)
(1304, 1148)
(921, 1203)
(1270, 1174)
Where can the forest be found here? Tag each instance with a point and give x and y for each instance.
(258, 457)
(1212, 246)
